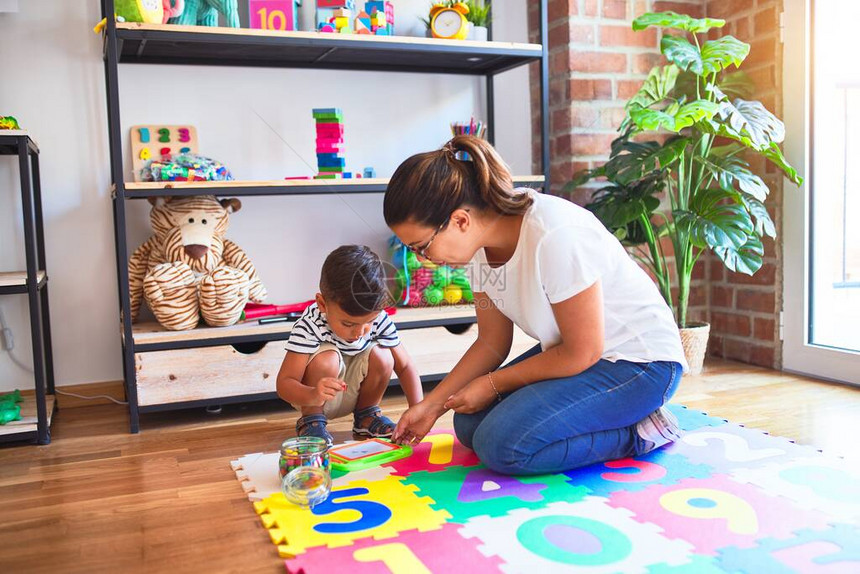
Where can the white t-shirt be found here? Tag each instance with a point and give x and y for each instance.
(562, 250)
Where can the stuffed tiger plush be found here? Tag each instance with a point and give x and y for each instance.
(188, 268)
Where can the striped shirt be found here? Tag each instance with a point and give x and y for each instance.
(312, 329)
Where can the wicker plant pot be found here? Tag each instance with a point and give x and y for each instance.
(694, 339)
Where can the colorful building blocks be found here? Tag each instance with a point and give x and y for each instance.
(329, 144)
(341, 16)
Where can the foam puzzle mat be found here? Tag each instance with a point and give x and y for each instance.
(725, 498)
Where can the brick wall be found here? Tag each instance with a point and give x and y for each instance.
(596, 63)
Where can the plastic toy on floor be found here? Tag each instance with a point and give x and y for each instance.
(366, 454)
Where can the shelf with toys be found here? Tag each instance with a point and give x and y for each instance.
(195, 366)
(145, 189)
(150, 336)
(140, 43)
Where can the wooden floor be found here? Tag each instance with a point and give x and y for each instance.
(101, 500)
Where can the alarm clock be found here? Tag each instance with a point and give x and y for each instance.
(449, 22)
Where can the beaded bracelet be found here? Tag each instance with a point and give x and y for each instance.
(492, 384)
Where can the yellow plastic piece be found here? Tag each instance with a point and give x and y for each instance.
(397, 557)
(441, 448)
(453, 294)
(291, 527)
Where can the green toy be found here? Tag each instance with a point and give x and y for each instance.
(205, 13)
(412, 262)
(460, 280)
(9, 409)
(434, 295)
(147, 11)
(355, 456)
(442, 276)
(11, 398)
(9, 413)
(9, 123)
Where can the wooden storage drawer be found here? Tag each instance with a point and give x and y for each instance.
(186, 375)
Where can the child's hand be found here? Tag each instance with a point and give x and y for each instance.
(474, 397)
(327, 388)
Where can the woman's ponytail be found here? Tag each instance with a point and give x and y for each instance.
(429, 186)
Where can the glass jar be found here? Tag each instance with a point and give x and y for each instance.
(304, 470)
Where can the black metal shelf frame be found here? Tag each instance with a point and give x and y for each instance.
(201, 48)
(35, 288)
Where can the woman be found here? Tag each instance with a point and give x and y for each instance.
(609, 356)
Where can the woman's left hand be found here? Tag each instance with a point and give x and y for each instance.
(474, 397)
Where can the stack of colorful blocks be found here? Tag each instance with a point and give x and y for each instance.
(335, 16)
(330, 158)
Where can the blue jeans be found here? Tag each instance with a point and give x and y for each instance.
(559, 424)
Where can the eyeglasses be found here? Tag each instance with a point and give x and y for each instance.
(422, 251)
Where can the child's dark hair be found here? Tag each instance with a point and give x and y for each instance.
(429, 186)
(353, 277)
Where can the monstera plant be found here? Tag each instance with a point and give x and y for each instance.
(690, 183)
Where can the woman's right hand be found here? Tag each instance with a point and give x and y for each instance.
(415, 423)
(326, 389)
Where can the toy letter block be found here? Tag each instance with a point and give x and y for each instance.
(273, 14)
(333, 3)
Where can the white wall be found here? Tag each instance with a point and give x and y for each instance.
(53, 82)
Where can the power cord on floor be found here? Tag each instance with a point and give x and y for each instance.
(90, 398)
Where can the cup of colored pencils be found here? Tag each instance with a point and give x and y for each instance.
(473, 128)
